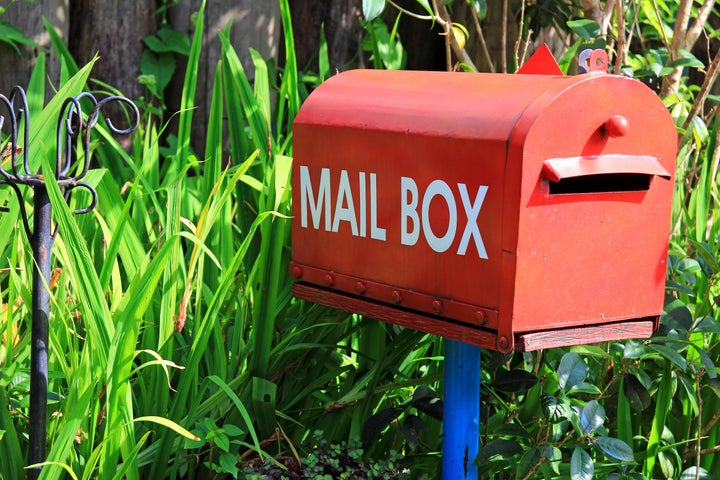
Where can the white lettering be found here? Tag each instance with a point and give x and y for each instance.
(408, 210)
(363, 204)
(376, 233)
(439, 244)
(323, 199)
(342, 213)
(471, 228)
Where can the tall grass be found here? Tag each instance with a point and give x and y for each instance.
(176, 348)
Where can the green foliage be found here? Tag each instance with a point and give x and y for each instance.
(172, 308)
(423, 400)
(332, 460)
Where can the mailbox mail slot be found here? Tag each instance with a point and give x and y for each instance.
(507, 211)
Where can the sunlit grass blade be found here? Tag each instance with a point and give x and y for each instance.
(662, 407)
(11, 457)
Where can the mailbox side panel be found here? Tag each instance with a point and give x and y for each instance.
(586, 256)
(399, 188)
(415, 219)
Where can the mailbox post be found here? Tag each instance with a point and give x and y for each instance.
(511, 212)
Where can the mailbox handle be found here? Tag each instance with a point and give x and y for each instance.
(556, 169)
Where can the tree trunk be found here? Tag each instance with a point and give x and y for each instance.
(343, 31)
(15, 67)
(255, 25)
(113, 29)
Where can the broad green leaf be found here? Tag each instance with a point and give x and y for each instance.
(592, 417)
(591, 351)
(497, 450)
(686, 59)
(637, 395)
(530, 459)
(695, 473)
(554, 409)
(586, 29)
(584, 387)
(515, 381)
(553, 456)
(581, 465)
(412, 425)
(670, 354)
(264, 402)
(677, 316)
(229, 464)
(221, 441)
(572, 370)
(168, 40)
(160, 67)
(378, 422)
(615, 448)
(372, 9)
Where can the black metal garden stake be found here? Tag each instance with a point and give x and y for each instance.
(73, 134)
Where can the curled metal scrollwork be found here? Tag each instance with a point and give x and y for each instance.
(77, 117)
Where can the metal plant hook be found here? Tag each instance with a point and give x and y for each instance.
(72, 164)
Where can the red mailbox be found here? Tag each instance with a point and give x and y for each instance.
(507, 211)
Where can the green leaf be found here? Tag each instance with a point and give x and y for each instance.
(426, 400)
(229, 464)
(592, 417)
(581, 465)
(12, 36)
(372, 9)
(497, 450)
(670, 354)
(221, 440)
(615, 448)
(515, 381)
(553, 409)
(586, 29)
(168, 40)
(637, 395)
(426, 5)
(378, 422)
(591, 351)
(169, 424)
(686, 59)
(530, 459)
(264, 400)
(411, 427)
(480, 7)
(572, 371)
(160, 66)
(233, 430)
(694, 473)
(677, 316)
(584, 387)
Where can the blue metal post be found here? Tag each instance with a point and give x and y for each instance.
(461, 411)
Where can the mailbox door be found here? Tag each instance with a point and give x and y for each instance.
(594, 206)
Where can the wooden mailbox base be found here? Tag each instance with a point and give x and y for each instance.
(475, 335)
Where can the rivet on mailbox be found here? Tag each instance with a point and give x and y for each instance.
(506, 211)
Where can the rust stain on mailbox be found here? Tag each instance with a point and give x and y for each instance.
(507, 211)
